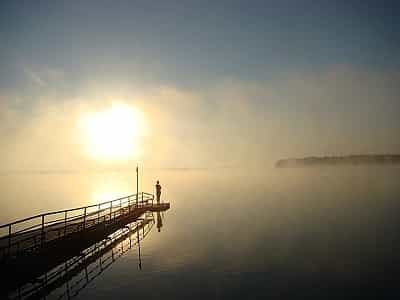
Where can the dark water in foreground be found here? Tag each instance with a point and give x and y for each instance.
(241, 234)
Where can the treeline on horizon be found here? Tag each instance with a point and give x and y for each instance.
(361, 159)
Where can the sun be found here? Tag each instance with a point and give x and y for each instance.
(113, 134)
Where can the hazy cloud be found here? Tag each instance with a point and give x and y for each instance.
(34, 77)
(232, 122)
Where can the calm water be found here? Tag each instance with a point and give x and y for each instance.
(296, 233)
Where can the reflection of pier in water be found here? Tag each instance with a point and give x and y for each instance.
(68, 239)
(70, 277)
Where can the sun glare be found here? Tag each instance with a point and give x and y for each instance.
(113, 134)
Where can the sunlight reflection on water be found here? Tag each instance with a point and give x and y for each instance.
(238, 232)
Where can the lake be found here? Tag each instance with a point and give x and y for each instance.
(330, 232)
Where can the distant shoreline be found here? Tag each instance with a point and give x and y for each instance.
(360, 159)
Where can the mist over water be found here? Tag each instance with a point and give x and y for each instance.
(206, 97)
(245, 233)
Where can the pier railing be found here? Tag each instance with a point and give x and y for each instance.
(78, 271)
(31, 233)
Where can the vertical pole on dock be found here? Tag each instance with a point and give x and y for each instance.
(98, 214)
(9, 239)
(65, 223)
(84, 218)
(42, 239)
(137, 185)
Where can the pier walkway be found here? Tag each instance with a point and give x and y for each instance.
(66, 280)
(53, 230)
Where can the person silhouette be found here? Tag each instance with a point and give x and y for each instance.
(158, 192)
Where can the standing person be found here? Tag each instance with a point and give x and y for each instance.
(158, 191)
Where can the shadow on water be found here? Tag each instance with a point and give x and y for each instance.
(69, 278)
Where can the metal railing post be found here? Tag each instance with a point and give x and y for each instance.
(137, 185)
(65, 223)
(9, 239)
(129, 204)
(84, 218)
(110, 210)
(98, 214)
(42, 239)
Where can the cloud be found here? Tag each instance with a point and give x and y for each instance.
(43, 76)
(34, 77)
(232, 122)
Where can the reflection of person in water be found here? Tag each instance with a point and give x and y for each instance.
(158, 191)
(159, 221)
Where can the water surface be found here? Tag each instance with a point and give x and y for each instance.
(240, 233)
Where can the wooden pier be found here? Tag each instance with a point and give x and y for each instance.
(73, 275)
(31, 246)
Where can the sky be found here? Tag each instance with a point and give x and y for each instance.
(219, 83)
